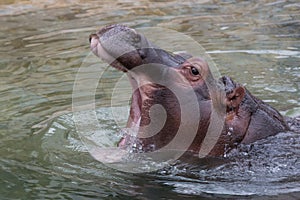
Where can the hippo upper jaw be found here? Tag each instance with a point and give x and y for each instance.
(125, 49)
(99, 51)
(120, 46)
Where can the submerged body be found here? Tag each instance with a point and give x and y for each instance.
(156, 75)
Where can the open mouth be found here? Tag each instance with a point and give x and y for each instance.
(136, 101)
(128, 51)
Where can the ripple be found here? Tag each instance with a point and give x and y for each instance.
(260, 52)
(281, 88)
(59, 32)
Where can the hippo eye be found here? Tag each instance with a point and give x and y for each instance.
(194, 71)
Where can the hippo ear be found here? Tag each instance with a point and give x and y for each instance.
(234, 99)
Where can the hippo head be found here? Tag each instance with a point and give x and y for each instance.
(164, 84)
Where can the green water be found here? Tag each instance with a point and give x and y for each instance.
(42, 47)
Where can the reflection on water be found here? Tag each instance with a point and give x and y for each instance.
(42, 46)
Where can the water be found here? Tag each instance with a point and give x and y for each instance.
(42, 47)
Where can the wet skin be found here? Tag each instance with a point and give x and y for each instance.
(151, 73)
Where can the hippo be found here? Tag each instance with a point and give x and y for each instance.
(246, 118)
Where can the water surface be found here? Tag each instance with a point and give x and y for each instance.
(42, 47)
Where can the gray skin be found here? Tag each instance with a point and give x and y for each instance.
(246, 118)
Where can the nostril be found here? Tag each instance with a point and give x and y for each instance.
(141, 53)
(92, 36)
